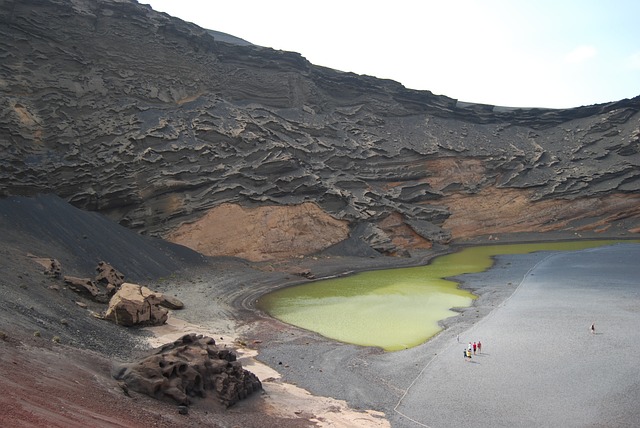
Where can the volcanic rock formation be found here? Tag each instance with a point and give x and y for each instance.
(178, 132)
(189, 368)
(109, 276)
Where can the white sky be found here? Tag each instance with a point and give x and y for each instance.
(518, 53)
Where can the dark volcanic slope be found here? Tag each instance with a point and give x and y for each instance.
(155, 123)
(48, 227)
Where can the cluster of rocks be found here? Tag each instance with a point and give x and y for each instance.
(101, 288)
(188, 368)
(128, 304)
(191, 367)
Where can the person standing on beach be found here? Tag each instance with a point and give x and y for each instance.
(593, 328)
(475, 347)
(479, 347)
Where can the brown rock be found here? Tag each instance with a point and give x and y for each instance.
(305, 273)
(134, 304)
(111, 289)
(170, 302)
(107, 274)
(191, 367)
(87, 288)
(52, 267)
(262, 233)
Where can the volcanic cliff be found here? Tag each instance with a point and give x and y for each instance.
(235, 149)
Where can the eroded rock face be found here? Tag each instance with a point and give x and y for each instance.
(190, 368)
(109, 276)
(261, 233)
(159, 125)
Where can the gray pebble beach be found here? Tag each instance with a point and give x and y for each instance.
(540, 365)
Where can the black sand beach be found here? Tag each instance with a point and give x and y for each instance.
(540, 365)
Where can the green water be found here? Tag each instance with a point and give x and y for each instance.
(394, 308)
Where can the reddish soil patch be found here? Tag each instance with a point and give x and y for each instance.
(43, 384)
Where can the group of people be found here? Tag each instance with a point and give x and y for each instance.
(475, 347)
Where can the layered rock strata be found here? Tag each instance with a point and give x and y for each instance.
(163, 126)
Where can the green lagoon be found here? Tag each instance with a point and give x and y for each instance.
(393, 309)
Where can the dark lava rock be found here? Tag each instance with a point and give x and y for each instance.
(191, 367)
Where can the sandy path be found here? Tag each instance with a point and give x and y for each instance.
(540, 365)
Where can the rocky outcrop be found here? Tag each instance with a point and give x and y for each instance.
(109, 276)
(190, 368)
(162, 126)
(52, 267)
(134, 304)
(87, 288)
(105, 284)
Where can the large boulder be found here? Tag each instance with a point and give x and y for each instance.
(135, 304)
(188, 368)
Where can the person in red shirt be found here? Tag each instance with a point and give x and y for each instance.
(475, 346)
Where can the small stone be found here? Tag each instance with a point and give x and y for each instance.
(170, 302)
